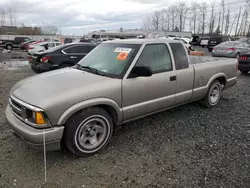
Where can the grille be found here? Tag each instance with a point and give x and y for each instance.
(23, 111)
(17, 109)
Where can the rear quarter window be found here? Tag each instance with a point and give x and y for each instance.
(180, 56)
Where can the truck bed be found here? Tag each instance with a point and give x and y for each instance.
(205, 59)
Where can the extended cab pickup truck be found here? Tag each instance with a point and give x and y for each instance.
(10, 44)
(117, 82)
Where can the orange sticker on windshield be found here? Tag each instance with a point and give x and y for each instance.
(122, 56)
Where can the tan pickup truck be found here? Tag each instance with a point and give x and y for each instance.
(119, 81)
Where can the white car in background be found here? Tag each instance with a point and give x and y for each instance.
(185, 43)
(40, 47)
(204, 41)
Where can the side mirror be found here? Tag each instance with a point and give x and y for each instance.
(143, 71)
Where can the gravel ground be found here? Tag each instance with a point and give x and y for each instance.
(189, 146)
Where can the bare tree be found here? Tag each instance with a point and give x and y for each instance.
(211, 24)
(2, 18)
(49, 30)
(182, 10)
(236, 29)
(223, 15)
(172, 10)
(10, 16)
(156, 20)
(240, 31)
(227, 22)
(146, 24)
(203, 10)
(194, 8)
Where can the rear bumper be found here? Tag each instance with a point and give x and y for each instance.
(230, 82)
(41, 67)
(35, 137)
(244, 67)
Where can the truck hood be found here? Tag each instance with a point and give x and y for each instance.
(63, 88)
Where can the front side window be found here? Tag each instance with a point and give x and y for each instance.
(157, 57)
(111, 58)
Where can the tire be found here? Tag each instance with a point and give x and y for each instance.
(9, 47)
(88, 131)
(213, 95)
(244, 72)
(237, 56)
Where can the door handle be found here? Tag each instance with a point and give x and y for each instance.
(172, 78)
(73, 57)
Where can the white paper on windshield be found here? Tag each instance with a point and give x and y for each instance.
(123, 50)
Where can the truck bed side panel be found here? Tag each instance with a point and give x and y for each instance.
(206, 73)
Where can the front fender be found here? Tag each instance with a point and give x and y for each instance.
(89, 103)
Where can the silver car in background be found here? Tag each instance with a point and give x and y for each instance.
(230, 49)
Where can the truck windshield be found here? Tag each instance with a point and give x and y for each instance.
(112, 59)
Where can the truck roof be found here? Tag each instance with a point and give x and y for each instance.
(140, 41)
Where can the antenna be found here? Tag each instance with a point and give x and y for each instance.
(44, 156)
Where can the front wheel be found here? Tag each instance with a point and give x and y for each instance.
(88, 131)
(213, 95)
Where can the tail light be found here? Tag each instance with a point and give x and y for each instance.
(30, 48)
(214, 48)
(231, 49)
(45, 59)
(243, 58)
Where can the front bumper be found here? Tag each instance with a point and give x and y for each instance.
(33, 136)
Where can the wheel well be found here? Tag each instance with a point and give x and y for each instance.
(9, 44)
(111, 111)
(222, 80)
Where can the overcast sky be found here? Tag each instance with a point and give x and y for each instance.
(78, 16)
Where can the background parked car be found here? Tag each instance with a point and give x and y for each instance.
(187, 45)
(204, 41)
(244, 63)
(10, 44)
(40, 47)
(24, 45)
(231, 49)
(60, 56)
(68, 40)
(195, 40)
(215, 40)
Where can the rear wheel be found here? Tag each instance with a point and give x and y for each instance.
(88, 131)
(244, 72)
(213, 95)
(9, 47)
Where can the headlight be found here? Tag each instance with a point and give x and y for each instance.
(39, 118)
(36, 118)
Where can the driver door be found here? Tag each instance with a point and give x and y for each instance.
(145, 95)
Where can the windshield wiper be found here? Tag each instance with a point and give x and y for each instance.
(91, 69)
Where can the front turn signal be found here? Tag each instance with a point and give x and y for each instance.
(39, 118)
